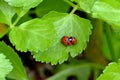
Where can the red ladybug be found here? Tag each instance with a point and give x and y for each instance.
(68, 40)
(65, 41)
(73, 40)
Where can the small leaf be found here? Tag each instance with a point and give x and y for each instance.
(6, 12)
(47, 5)
(70, 25)
(18, 71)
(26, 4)
(111, 72)
(107, 10)
(33, 35)
(5, 66)
(85, 5)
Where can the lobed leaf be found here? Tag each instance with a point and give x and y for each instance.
(18, 71)
(33, 35)
(70, 25)
(111, 72)
(5, 66)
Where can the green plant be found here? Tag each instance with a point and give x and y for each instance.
(42, 35)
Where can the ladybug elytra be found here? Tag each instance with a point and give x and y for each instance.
(73, 40)
(68, 40)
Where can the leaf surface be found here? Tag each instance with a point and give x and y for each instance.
(5, 66)
(85, 5)
(107, 10)
(26, 4)
(6, 12)
(70, 25)
(18, 71)
(76, 71)
(33, 35)
(111, 72)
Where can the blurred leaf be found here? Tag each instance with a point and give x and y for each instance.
(82, 72)
(26, 4)
(95, 43)
(5, 66)
(80, 69)
(48, 5)
(111, 72)
(21, 7)
(33, 35)
(6, 12)
(18, 71)
(105, 49)
(70, 25)
(107, 10)
(85, 5)
(110, 46)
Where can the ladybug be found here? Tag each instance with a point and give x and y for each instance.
(68, 40)
(73, 40)
(65, 40)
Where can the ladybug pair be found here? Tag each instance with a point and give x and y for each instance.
(67, 41)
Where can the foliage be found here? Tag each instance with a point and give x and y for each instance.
(39, 30)
(52, 19)
(18, 69)
(74, 26)
(5, 66)
(79, 69)
(111, 72)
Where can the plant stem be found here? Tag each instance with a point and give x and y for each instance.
(109, 42)
(70, 3)
(74, 9)
(16, 22)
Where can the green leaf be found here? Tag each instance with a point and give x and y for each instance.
(81, 72)
(20, 11)
(107, 10)
(33, 35)
(26, 4)
(80, 69)
(111, 72)
(47, 5)
(70, 25)
(6, 12)
(18, 71)
(105, 48)
(110, 44)
(5, 66)
(85, 5)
